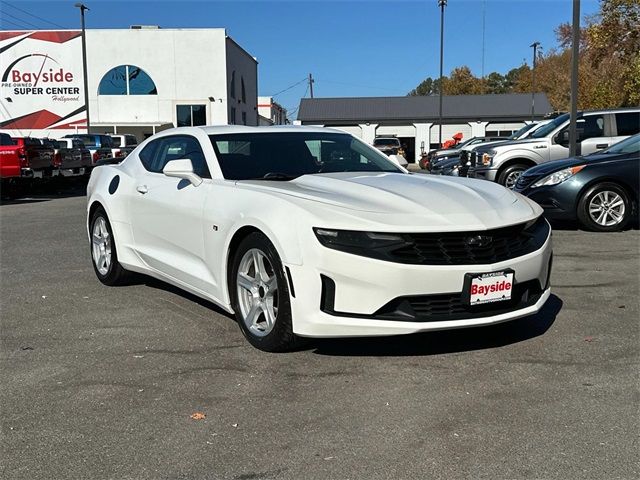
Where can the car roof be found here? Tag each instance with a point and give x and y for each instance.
(230, 129)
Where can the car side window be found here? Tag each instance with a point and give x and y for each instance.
(158, 153)
(628, 123)
(590, 126)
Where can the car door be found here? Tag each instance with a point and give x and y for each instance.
(592, 133)
(167, 212)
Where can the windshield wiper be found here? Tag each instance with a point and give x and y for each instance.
(276, 176)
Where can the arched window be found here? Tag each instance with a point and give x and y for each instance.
(243, 93)
(127, 80)
(232, 87)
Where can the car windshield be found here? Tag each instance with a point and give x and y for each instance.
(550, 127)
(386, 142)
(522, 131)
(285, 156)
(629, 145)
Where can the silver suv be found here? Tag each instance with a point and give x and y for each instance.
(505, 162)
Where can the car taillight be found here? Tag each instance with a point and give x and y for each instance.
(119, 153)
(95, 157)
(57, 159)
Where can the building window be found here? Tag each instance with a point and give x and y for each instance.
(127, 80)
(233, 116)
(191, 115)
(232, 88)
(244, 118)
(243, 92)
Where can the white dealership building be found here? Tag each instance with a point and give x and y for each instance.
(140, 80)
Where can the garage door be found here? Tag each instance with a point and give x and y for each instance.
(396, 130)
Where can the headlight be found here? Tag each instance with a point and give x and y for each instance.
(558, 177)
(369, 244)
(487, 158)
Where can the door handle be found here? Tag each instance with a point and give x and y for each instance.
(142, 189)
(602, 145)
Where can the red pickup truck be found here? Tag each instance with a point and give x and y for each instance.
(25, 157)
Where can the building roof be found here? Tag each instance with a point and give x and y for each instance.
(511, 106)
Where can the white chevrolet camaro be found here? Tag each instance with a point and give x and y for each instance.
(310, 232)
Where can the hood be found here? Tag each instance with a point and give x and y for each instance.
(556, 165)
(478, 146)
(510, 143)
(403, 200)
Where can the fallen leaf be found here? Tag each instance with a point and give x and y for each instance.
(198, 416)
(589, 339)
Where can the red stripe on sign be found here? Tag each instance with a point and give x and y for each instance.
(55, 36)
(32, 121)
(8, 35)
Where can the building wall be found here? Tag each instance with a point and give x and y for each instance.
(187, 66)
(245, 68)
(271, 113)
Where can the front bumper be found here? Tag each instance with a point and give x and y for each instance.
(364, 286)
(483, 173)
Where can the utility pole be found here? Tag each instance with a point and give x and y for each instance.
(441, 4)
(535, 46)
(575, 51)
(82, 8)
(311, 85)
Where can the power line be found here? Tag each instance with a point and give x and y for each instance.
(289, 88)
(23, 27)
(34, 16)
(21, 20)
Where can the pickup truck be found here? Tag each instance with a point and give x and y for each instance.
(26, 157)
(74, 157)
(98, 144)
(123, 145)
(596, 130)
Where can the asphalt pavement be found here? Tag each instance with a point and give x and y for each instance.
(102, 383)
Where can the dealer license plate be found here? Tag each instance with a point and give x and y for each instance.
(481, 288)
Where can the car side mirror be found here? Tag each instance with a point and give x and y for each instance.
(182, 168)
(563, 138)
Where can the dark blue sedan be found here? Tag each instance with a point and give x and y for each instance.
(600, 191)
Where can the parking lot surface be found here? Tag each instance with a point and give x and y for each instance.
(102, 382)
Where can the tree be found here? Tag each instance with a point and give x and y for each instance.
(425, 88)
(462, 82)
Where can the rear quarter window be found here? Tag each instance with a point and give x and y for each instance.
(628, 123)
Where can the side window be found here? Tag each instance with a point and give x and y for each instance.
(155, 156)
(590, 126)
(628, 123)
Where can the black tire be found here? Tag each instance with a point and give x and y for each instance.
(511, 171)
(591, 195)
(115, 273)
(281, 337)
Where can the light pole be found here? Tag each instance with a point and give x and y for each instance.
(575, 51)
(441, 4)
(535, 46)
(82, 8)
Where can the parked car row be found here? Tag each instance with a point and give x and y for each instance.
(26, 158)
(598, 188)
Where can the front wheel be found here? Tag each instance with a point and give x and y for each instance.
(605, 208)
(260, 295)
(510, 175)
(103, 251)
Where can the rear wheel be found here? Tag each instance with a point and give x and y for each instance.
(605, 207)
(103, 251)
(509, 176)
(260, 295)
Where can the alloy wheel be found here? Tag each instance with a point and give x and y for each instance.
(607, 208)
(257, 288)
(101, 246)
(512, 179)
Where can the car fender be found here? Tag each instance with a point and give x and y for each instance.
(531, 155)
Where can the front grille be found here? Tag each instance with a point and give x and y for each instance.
(463, 248)
(524, 181)
(473, 158)
(450, 306)
(464, 156)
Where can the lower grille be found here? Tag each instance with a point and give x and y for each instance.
(436, 308)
